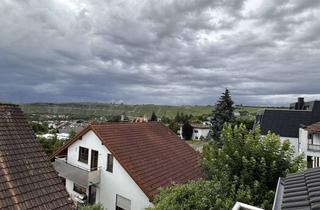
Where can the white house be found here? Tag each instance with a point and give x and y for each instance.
(309, 144)
(286, 122)
(123, 165)
(199, 131)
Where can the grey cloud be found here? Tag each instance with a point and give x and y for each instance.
(167, 52)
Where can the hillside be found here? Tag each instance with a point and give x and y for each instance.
(91, 110)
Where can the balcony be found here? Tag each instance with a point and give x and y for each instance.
(314, 147)
(78, 175)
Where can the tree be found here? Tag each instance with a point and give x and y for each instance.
(182, 118)
(154, 117)
(246, 169)
(72, 133)
(39, 128)
(187, 131)
(196, 195)
(252, 163)
(50, 145)
(174, 126)
(223, 113)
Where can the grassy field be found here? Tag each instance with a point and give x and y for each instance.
(83, 110)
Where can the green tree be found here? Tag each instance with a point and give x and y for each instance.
(72, 134)
(223, 113)
(50, 145)
(39, 128)
(174, 126)
(196, 195)
(154, 117)
(252, 163)
(246, 169)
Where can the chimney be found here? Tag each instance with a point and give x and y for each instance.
(300, 103)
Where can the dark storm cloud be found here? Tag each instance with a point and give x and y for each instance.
(168, 52)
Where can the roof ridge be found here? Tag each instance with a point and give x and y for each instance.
(9, 104)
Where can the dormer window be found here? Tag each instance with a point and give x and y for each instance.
(83, 154)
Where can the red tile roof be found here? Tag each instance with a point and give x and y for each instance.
(313, 128)
(150, 152)
(27, 178)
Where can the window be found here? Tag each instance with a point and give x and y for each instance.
(79, 189)
(110, 163)
(122, 203)
(195, 131)
(83, 154)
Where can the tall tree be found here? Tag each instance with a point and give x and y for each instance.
(154, 117)
(223, 113)
(251, 162)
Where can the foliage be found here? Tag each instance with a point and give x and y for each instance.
(39, 128)
(251, 163)
(72, 134)
(182, 118)
(187, 131)
(196, 195)
(246, 169)
(247, 121)
(92, 207)
(174, 126)
(154, 117)
(50, 145)
(114, 118)
(222, 114)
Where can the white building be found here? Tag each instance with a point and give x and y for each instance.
(287, 122)
(122, 165)
(309, 144)
(199, 131)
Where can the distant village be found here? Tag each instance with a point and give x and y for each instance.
(124, 162)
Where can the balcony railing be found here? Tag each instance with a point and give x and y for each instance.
(76, 174)
(314, 147)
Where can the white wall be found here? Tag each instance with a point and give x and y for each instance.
(119, 182)
(303, 140)
(201, 132)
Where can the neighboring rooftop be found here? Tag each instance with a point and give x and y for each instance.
(286, 122)
(27, 178)
(313, 128)
(299, 191)
(151, 153)
(200, 126)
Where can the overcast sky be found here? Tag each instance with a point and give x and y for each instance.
(159, 51)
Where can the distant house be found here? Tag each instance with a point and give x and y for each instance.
(122, 165)
(286, 122)
(309, 144)
(298, 191)
(199, 131)
(27, 178)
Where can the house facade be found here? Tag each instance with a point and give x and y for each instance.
(287, 122)
(122, 165)
(199, 131)
(309, 144)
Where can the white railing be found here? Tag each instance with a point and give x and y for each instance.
(244, 206)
